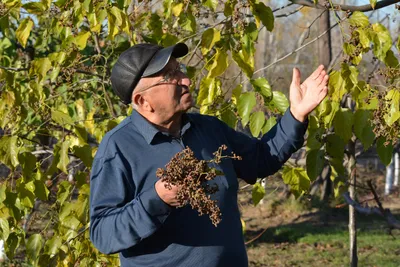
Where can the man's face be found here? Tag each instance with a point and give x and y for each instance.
(172, 96)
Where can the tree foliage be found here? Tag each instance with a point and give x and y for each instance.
(56, 102)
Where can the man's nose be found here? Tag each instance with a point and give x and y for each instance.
(184, 80)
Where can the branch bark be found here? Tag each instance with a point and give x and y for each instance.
(362, 8)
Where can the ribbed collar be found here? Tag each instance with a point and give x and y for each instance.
(149, 131)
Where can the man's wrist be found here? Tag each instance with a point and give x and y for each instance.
(297, 115)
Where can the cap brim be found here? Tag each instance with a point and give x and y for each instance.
(161, 58)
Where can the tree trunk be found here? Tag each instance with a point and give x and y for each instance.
(325, 44)
(351, 168)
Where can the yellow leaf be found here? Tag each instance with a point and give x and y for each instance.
(177, 9)
(24, 30)
(81, 39)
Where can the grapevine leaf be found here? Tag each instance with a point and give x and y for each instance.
(4, 229)
(52, 245)
(343, 124)
(358, 19)
(229, 117)
(28, 163)
(41, 190)
(9, 151)
(84, 153)
(236, 94)
(61, 118)
(35, 8)
(297, 179)
(40, 67)
(81, 39)
(64, 190)
(245, 61)
(24, 30)
(373, 3)
(219, 65)
(279, 102)
(246, 103)
(335, 146)
(258, 193)
(34, 246)
(211, 4)
(257, 120)
(64, 158)
(382, 40)
(177, 9)
(391, 60)
(315, 163)
(263, 13)
(385, 151)
(269, 124)
(12, 244)
(262, 86)
(208, 39)
(363, 128)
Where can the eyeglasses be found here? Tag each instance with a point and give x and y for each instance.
(168, 76)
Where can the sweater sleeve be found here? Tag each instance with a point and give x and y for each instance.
(265, 156)
(118, 218)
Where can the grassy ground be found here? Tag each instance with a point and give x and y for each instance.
(288, 233)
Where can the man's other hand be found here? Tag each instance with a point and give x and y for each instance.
(306, 96)
(167, 195)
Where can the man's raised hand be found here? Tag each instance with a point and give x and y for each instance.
(305, 97)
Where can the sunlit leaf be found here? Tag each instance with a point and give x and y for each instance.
(64, 189)
(219, 65)
(64, 158)
(373, 3)
(81, 39)
(343, 124)
(35, 8)
(208, 39)
(384, 150)
(263, 13)
(244, 61)
(34, 246)
(257, 120)
(363, 128)
(381, 39)
(358, 18)
(177, 9)
(52, 245)
(24, 30)
(279, 102)
(268, 125)
(315, 163)
(4, 229)
(258, 193)
(211, 4)
(262, 86)
(297, 179)
(246, 103)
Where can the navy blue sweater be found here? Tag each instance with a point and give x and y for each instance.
(127, 215)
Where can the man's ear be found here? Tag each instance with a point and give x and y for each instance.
(140, 100)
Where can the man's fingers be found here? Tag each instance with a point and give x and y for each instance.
(296, 77)
(317, 72)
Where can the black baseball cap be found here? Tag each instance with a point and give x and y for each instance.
(138, 61)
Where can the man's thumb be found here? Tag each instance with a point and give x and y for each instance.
(296, 77)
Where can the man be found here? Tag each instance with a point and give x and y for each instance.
(131, 210)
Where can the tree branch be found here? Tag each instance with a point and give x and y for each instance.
(362, 8)
(13, 69)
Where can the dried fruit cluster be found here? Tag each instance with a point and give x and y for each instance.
(192, 176)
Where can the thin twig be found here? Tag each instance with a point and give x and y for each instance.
(14, 69)
(255, 238)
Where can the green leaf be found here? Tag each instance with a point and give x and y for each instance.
(40, 67)
(245, 61)
(362, 127)
(279, 102)
(268, 125)
(315, 163)
(219, 64)
(61, 118)
(236, 94)
(28, 163)
(35, 8)
(64, 158)
(246, 103)
(358, 19)
(373, 3)
(258, 193)
(364, 38)
(393, 98)
(263, 13)
(297, 179)
(385, 151)
(228, 7)
(9, 151)
(64, 190)
(187, 21)
(52, 245)
(84, 153)
(41, 190)
(12, 244)
(209, 89)
(335, 146)
(4, 229)
(262, 86)
(34, 246)
(398, 44)
(81, 39)
(211, 4)
(177, 9)
(257, 120)
(391, 60)
(314, 138)
(336, 86)
(3, 188)
(343, 124)
(208, 39)
(382, 41)
(229, 117)
(24, 30)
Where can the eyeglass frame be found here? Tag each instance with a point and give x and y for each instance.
(171, 74)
